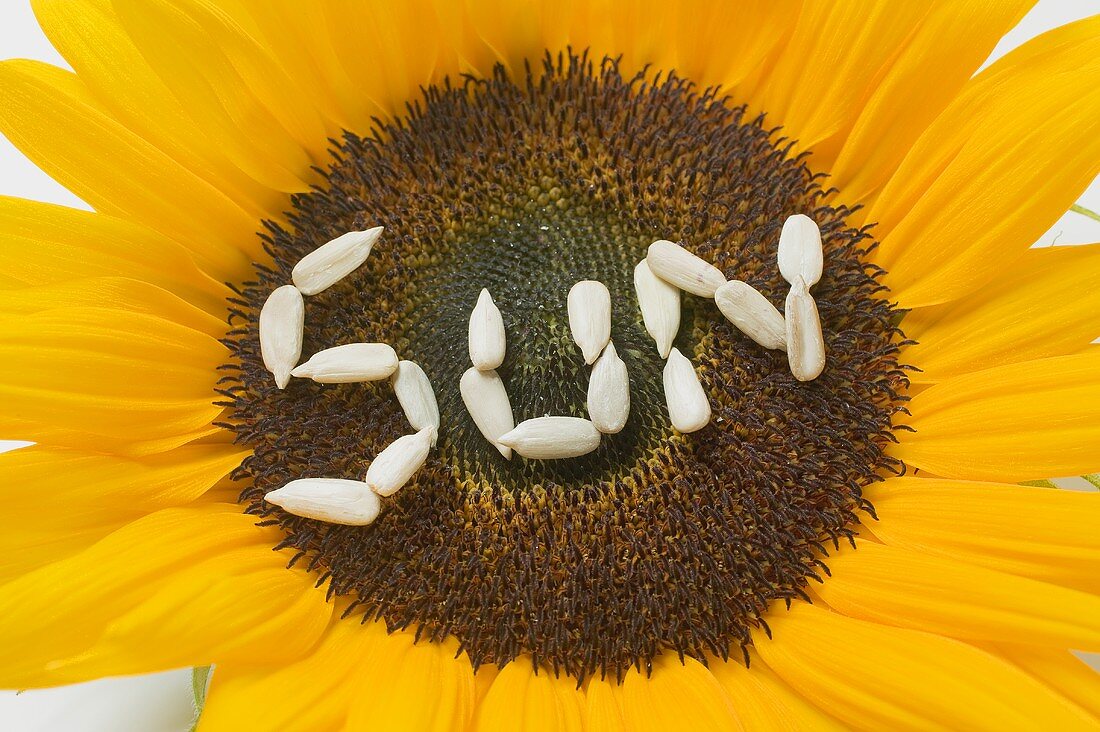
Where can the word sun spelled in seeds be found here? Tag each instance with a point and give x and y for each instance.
(659, 279)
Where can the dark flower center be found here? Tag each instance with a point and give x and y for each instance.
(657, 541)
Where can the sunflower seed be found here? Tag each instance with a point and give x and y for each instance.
(800, 253)
(487, 402)
(688, 407)
(336, 501)
(805, 344)
(329, 263)
(677, 266)
(609, 393)
(549, 438)
(589, 305)
(416, 397)
(349, 363)
(660, 305)
(392, 468)
(752, 313)
(282, 319)
(486, 334)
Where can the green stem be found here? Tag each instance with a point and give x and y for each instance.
(1085, 212)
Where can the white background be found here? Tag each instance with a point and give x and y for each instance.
(162, 701)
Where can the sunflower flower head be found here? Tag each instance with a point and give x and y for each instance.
(539, 366)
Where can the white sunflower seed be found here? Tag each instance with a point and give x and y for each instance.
(329, 263)
(589, 305)
(549, 438)
(282, 319)
(336, 501)
(688, 407)
(660, 305)
(487, 343)
(487, 402)
(349, 363)
(805, 343)
(416, 397)
(677, 266)
(752, 313)
(609, 393)
(392, 468)
(800, 253)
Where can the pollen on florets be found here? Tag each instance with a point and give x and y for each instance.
(656, 541)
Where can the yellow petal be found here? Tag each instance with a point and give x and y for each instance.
(1006, 158)
(61, 609)
(1060, 670)
(1024, 421)
(427, 686)
(604, 707)
(311, 693)
(522, 701)
(831, 64)
(89, 36)
(253, 610)
(901, 587)
(102, 379)
(719, 44)
(43, 244)
(764, 702)
(122, 293)
(1041, 533)
(677, 696)
(58, 502)
(213, 92)
(876, 677)
(932, 65)
(277, 90)
(50, 116)
(1044, 304)
(359, 87)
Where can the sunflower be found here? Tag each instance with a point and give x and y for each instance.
(852, 551)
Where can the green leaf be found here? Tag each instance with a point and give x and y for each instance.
(200, 682)
(1094, 479)
(1039, 484)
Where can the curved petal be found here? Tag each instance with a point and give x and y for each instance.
(89, 36)
(58, 502)
(279, 91)
(521, 700)
(1006, 158)
(940, 56)
(1024, 421)
(213, 93)
(1060, 670)
(324, 48)
(44, 244)
(1041, 533)
(125, 294)
(676, 695)
(49, 115)
(422, 686)
(828, 67)
(900, 587)
(253, 608)
(100, 379)
(876, 677)
(604, 706)
(312, 693)
(1042, 305)
(63, 609)
(765, 703)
